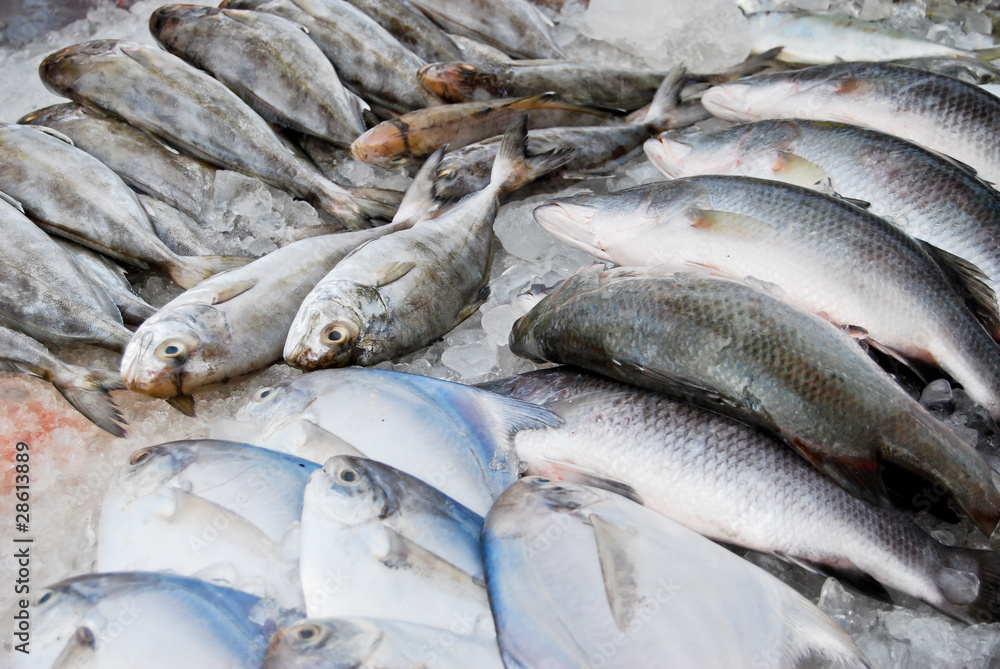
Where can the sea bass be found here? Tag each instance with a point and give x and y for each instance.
(583, 577)
(724, 345)
(935, 111)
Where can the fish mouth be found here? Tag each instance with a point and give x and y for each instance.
(667, 155)
(572, 223)
(730, 102)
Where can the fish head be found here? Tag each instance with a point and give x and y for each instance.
(338, 328)
(346, 492)
(62, 621)
(177, 353)
(269, 404)
(167, 18)
(750, 149)
(384, 145)
(313, 644)
(53, 114)
(61, 69)
(150, 468)
(458, 82)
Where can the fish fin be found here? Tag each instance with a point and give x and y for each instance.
(53, 133)
(78, 652)
(677, 385)
(659, 113)
(924, 371)
(473, 306)
(728, 223)
(859, 476)
(863, 204)
(226, 292)
(192, 270)
(376, 203)
(971, 284)
(511, 415)
(88, 390)
(813, 639)
(987, 54)
(183, 403)
(798, 170)
(850, 575)
(551, 100)
(316, 435)
(419, 197)
(399, 551)
(615, 548)
(513, 167)
(957, 582)
(12, 202)
(565, 471)
(393, 271)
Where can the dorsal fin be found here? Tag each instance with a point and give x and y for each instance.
(971, 282)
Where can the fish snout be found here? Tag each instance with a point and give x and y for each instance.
(314, 342)
(143, 372)
(730, 102)
(667, 155)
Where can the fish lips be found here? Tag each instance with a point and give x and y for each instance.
(667, 155)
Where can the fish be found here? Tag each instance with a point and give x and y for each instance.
(467, 170)
(971, 71)
(582, 577)
(412, 28)
(267, 60)
(449, 435)
(362, 312)
(175, 228)
(938, 112)
(111, 277)
(818, 39)
(348, 643)
(360, 556)
(87, 389)
(94, 207)
(818, 252)
(80, 622)
(206, 120)
(369, 60)
(742, 352)
(142, 162)
(516, 27)
(938, 201)
(577, 83)
(475, 52)
(234, 324)
(44, 293)
(737, 485)
(414, 136)
(221, 511)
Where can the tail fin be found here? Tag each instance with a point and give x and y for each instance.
(377, 203)
(659, 114)
(359, 208)
(88, 391)
(970, 584)
(514, 168)
(419, 197)
(192, 270)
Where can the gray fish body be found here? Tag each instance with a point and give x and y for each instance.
(412, 28)
(108, 274)
(924, 194)
(206, 119)
(142, 162)
(268, 61)
(726, 346)
(580, 577)
(175, 228)
(516, 27)
(823, 254)
(935, 111)
(235, 324)
(46, 295)
(737, 485)
(971, 71)
(86, 389)
(368, 59)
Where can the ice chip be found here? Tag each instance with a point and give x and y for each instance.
(937, 396)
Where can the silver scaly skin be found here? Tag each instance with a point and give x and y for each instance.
(726, 346)
(935, 111)
(412, 28)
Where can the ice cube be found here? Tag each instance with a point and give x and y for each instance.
(937, 396)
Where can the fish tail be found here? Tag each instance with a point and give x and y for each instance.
(377, 204)
(358, 208)
(969, 581)
(660, 113)
(88, 390)
(513, 167)
(192, 270)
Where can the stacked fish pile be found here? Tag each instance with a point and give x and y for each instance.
(717, 377)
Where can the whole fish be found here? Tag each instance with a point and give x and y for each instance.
(449, 435)
(516, 27)
(580, 577)
(175, 228)
(817, 39)
(234, 324)
(268, 61)
(935, 111)
(734, 484)
(80, 622)
(923, 193)
(221, 511)
(45, 294)
(361, 557)
(111, 277)
(205, 119)
(85, 388)
(416, 135)
(821, 253)
(94, 208)
(141, 161)
(370, 643)
(368, 59)
(724, 345)
(362, 312)
(577, 83)
(412, 28)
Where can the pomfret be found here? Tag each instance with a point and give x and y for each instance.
(111, 277)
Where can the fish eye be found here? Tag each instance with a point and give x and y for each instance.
(339, 333)
(44, 598)
(447, 174)
(350, 476)
(262, 393)
(542, 479)
(399, 160)
(465, 67)
(307, 632)
(170, 350)
(139, 457)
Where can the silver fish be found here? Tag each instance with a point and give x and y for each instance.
(86, 389)
(412, 28)
(176, 229)
(516, 27)
(580, 577)
(206, 119)
(268, 61)
(111, 277)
